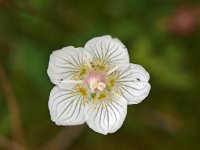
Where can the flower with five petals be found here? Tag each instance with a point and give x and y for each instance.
(95, 84)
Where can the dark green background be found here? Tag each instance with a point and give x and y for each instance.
(168, 119)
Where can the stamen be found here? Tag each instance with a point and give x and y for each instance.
(102, 96)
(112, 70)
(72, 81)
(82, 90)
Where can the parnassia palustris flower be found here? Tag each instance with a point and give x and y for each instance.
(95, 84)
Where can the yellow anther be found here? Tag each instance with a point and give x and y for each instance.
(112, 82)
(102, 96)
(82, 90)
(73, 93)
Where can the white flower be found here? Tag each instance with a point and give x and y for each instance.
(95, 84)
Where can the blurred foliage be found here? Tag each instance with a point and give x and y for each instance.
(168, 119)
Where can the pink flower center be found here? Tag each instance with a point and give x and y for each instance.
(96, 81)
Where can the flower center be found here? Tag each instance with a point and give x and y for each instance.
(96, 81)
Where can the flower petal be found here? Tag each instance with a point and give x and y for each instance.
(66, 63)
(108, 51)
(133, 84)
(106, 116)
(66, 107)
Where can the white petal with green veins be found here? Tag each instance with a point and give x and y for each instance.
(108, 51)
(133, 84)
(106, 115)
(66, 106)
(68, 63)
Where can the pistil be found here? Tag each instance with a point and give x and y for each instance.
(96, 81)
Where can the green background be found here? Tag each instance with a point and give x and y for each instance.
(168, 119)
